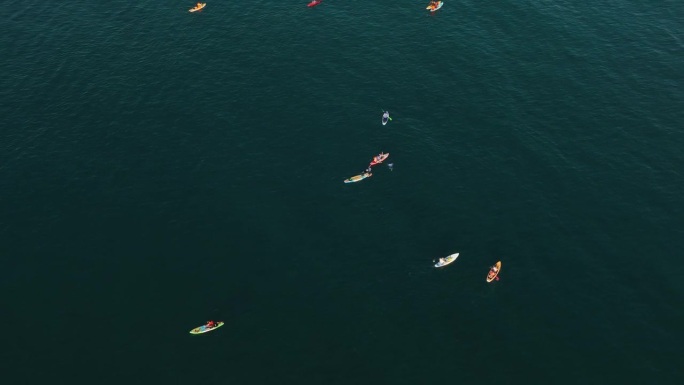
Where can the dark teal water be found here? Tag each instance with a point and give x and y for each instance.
(160, 168)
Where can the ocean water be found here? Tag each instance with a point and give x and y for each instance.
(159, 169)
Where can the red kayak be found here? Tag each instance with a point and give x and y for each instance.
(379, 159)
(314, 3)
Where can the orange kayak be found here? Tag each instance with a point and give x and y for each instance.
(198, 7)
(494, 272)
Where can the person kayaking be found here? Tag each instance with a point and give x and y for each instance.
(211, 324)
(493, 273)
(434, 4)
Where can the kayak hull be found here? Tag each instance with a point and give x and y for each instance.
(492, 275)
(431, 9)
(313, 4)
(382, 159)
(195, 9)
(204, 329)
(385, 118)
(448, 260)
(357, 178)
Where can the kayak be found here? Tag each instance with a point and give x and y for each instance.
(379, 159)
(385, 117)
(314, 3)
(433, 8)
(198, 7)
(358, 178)
(204, 329)
(447, 260)
(493, 274)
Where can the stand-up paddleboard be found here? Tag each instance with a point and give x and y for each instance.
(379, 159)
(494, 272)
(385, 117)
(447, 260)
(204, 329)
(198, 7)
(314, 3)
(433, 8)
(358, 178)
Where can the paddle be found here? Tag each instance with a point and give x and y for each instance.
(390, 118)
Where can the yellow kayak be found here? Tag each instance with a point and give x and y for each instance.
(198, 7)
(358, 178)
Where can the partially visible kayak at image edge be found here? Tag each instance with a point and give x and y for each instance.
(198, 7)
(434, 5)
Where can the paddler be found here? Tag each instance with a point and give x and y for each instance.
(493, 271)
(211, 324)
